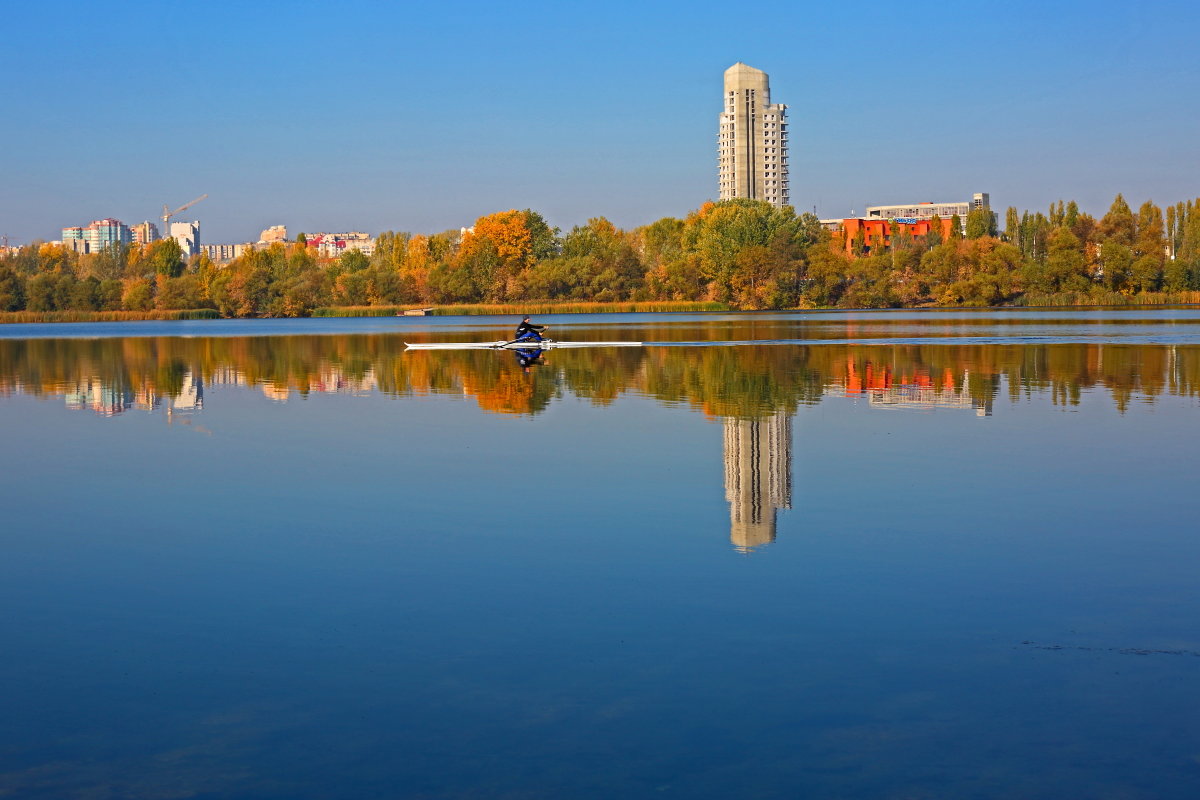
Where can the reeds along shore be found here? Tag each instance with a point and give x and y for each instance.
(106, 316)
(1080, 299)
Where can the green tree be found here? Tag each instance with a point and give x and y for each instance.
(1116, 262)
(721, 230)
(108, 295)
(40, 292)
(1119, 225)
(353, 261)
(82, 295)
(981, 222)
(1065, 262)
(182, 292)
(12, 289)
(828, 272)
(543, 239)
(1071, 217)
(167, 257)
(110, 261)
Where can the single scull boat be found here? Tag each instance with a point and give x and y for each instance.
(545, 344)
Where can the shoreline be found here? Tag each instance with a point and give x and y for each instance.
(1159, 300)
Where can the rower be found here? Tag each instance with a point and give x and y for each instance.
(527, 331)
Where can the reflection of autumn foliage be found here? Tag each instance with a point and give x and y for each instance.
(741, 381)
(510, 392)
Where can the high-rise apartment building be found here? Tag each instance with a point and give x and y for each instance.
(144, 232)
(98, 235)
(73, 239)
(752, 139)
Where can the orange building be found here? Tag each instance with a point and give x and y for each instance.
(878, 233)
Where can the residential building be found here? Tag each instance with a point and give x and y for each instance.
(752, 139)
(105, 233)
(144, 232)
(275, 233)
(188, 236)
(224, 253)
(73, 239)
(332, 245)
(98, 235)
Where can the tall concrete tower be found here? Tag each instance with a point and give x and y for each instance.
(758, 477)
(752, 139)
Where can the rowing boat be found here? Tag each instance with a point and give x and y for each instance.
(545, 344)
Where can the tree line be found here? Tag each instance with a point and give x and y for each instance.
(745, 253)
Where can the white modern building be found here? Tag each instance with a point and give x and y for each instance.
(752, 139)
(916, 212)
(188, 236)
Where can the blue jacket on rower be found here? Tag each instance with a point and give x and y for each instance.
(527, 330)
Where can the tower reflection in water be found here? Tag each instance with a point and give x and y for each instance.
(758, 477)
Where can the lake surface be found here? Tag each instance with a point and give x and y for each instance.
(858, 555)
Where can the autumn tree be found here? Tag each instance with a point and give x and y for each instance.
(498, 249)
(1012, 226)
(1118, 225)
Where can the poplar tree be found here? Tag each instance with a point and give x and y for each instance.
(1026, 235)
(1071, 217)
(1012, 226)
(1056, 214)
(934, 237)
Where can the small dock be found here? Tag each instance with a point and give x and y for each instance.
(417, 312)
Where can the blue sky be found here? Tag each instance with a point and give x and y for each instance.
(423, 116)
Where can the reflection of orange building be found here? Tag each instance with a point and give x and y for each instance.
(920, 390)
(878, 233)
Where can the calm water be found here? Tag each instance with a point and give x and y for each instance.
(876, 555)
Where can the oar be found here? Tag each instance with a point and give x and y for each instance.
(514, 341)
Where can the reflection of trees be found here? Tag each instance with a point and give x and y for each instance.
(743, 382)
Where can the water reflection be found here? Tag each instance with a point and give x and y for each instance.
(110, 376)
(753, 391)
(758, 477)
(920, 390)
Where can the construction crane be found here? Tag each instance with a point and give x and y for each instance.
(168, 214)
